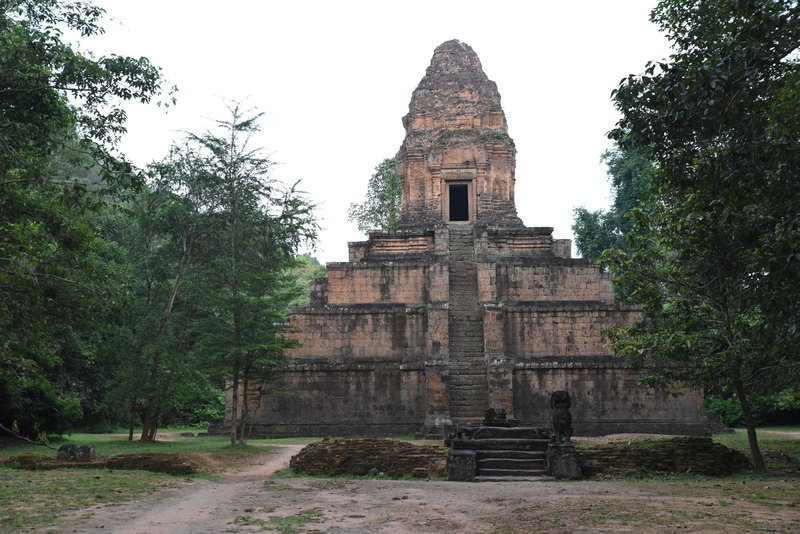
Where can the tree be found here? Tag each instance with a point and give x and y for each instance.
(51, 94)
(631, 180)
(256, 228)
(305, 269)
(58, 277)
(381, 209)
(173, 216)
(716, 257)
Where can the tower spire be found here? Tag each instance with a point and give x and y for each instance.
(457, 161)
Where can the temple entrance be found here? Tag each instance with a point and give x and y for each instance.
(459, 202)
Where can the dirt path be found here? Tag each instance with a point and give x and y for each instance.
(249, 501)
(199, 506)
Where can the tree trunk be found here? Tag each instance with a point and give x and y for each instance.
(752, 438)
(150, 423)
(131, 417)
(234, 403)
(153, 431)
(244, 434)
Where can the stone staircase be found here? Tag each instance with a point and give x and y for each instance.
(467, 385)
(513, 463)
(505, 454)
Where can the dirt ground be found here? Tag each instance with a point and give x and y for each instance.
(247, 500)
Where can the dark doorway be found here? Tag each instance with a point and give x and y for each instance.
(459, 202)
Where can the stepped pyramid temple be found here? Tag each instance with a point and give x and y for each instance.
(462, 307)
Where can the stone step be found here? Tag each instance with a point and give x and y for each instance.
(522, 455)
(512, 464)
(465, 370)
(511, 472)
(511, 444)
(469, 390)
(492, 478)
(472, 404)
(468, 401)
(467, 409)
(460, 417)
(467, 383)
(464, 379)
(469, 386)
(463, 414)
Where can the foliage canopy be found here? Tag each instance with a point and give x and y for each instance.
(381, 209)
(59, 119)
(715, 258)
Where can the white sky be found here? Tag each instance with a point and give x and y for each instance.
(334, 79)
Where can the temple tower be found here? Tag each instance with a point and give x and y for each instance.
(457, 161)
(462, 307)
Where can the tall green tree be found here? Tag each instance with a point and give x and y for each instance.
(171, 218)
(716, 257)
(381, 208)
(631, 176)
(59, 116)
(51, 93)
(256, 228)
(304, 269)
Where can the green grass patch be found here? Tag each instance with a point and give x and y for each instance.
(775, 428)
(289, 524)
(284, 441)
(114, 444)
(33, 498)
(780, 452)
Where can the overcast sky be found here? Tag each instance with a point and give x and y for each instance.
(334, 79)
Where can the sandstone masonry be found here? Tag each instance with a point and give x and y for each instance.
(461, 307)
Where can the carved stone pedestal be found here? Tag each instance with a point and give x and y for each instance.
(462, 465)
(562, 461)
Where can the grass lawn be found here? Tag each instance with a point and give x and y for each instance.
(36, 498)
(780, 452)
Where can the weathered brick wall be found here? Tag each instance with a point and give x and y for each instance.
(562, 248)
(355, 283)
(343, 334)
(606, 398)
(370, 398)
(515, 242)
(356, 250)
(555, 280)
(318, 288)
(358, 456)
(568, 329)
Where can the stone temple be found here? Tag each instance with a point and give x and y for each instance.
(462, 307)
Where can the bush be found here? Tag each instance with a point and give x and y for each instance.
(781, 408)
(728, 408)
